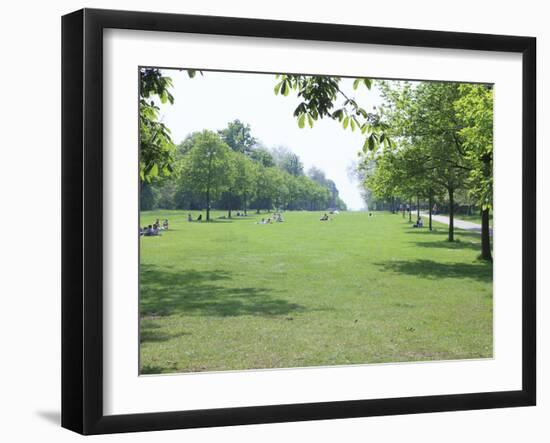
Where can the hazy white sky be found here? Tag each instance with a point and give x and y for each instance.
(216, 98)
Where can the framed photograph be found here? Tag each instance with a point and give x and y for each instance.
(268, 221)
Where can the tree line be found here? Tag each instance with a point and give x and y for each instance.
(442, 148)
(230, 170)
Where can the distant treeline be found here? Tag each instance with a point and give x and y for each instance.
(230, 170)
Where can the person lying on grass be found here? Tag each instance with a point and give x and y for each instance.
(324, 217)
(151, 230)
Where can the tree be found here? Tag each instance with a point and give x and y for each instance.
(245, 179)
(156, 147)
(155, 144)
(318, 176)
(262, 156)
(475, 110)
(238, 137)
(423, 120)
(205, 167)
(288, 161)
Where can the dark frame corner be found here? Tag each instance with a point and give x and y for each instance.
(82, 349)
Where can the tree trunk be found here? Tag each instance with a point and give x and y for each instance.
(410, 209)
(417, 207)
(430, 205)
(244, 198)
(451, 215)
(485, 236)
(207, 204)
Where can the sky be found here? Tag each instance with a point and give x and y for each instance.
(214, 99)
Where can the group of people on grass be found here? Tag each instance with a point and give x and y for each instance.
(277, 218)
(154, 229)
(157, 227)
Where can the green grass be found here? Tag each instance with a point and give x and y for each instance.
(233, 295)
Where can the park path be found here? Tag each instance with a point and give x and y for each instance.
(460, 224)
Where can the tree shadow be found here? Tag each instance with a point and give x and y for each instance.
(166, 292)
(439, 231)
(433, 270)
(152, 369)
(149, 331)
(444, 244)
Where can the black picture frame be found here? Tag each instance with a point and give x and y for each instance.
(82, 218)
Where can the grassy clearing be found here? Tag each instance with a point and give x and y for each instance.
(233, 295)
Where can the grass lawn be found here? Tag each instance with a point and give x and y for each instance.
(233, 294)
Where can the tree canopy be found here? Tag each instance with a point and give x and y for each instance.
(442, 141)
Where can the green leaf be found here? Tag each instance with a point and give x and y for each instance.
(301, 120)
(154, 171)
(287, 87)
(368, 83)
(278, 88)
(352, 122)
(338, 114)
(356, 83)
(345, 122)
(371, 142)
(310, 120)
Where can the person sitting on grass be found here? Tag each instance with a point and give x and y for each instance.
(419, 223)
(324, 217)
(189, 218)
(165, 224)
(148, 232)
(199, 218)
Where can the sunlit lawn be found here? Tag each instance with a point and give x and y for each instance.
(233, 294)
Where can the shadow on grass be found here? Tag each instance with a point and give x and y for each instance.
(433, 270)
(164, 292)
(443, 244)
(151, 332)
(153, 369)
(443, 232)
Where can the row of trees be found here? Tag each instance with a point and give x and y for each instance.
(319, 97)
(442, 146)
(230, 170)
